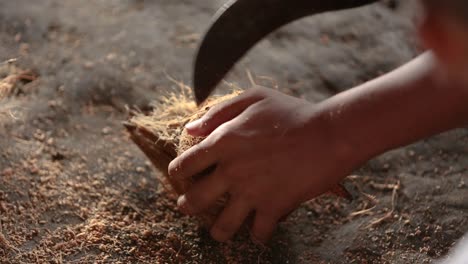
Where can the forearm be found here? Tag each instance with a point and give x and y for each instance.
(408, 104)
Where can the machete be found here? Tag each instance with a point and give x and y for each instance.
(240, 24)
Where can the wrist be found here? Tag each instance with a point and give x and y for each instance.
(391, 111)
(351, 145)
(347, 151)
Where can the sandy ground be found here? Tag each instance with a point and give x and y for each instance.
(75, 189)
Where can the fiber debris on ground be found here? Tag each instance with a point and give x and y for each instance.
(74, 188)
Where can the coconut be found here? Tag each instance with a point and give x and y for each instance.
(161, 136)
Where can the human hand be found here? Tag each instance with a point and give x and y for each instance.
(271, 151)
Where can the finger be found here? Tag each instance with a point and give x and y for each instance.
(230, 220)
(285, 217)
(263, 227)
(203, 194)
(221, 113)
(194, 161)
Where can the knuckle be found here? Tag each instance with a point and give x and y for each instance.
(222, 136)
(216, 110)
(214, 139)
(258, 91)
(194, 152)
(243, 193)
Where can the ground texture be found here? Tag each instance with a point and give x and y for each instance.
(75, 189)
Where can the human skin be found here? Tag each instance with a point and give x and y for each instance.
(272, 152)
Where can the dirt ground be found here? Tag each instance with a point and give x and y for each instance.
(75, 189)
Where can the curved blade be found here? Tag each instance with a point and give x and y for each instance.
(240, 24)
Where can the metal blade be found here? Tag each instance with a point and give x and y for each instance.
(240, 24)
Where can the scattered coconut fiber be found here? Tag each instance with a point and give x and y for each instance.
(11, 76)
(12, 83)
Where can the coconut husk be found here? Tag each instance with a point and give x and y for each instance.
(161, 136)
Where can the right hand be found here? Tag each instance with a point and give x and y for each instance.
(272, 152)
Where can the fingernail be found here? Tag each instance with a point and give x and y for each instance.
(182, 204)
(194, 124)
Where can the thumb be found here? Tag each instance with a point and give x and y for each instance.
(195, 128)
(222, 113)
